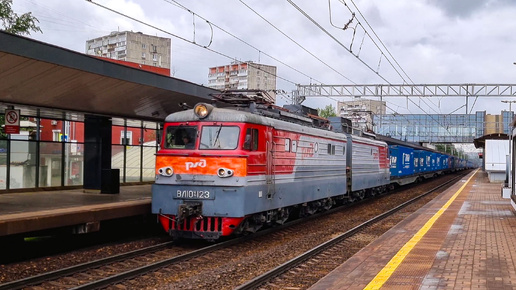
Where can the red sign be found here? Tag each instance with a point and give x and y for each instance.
(12, 121)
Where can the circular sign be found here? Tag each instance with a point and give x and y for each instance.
(11, 117)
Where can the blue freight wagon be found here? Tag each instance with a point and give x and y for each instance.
(401, 161)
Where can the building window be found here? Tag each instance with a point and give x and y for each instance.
(55, 135)
(144, 46)
(128, 140)
(155, 57)
(143, 54)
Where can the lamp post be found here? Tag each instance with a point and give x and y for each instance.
(510, 103)
(509, 158)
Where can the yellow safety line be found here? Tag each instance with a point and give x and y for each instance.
(393, 264)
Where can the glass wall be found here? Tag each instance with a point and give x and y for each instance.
(22, 163)
(421, 128)
(50, 164)
(3, 163)
(50, 152)
(74, 163)
(133, 150)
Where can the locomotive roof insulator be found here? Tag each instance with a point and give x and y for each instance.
(202, 110)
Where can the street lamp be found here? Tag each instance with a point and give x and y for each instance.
(509, 157)
(510, 103)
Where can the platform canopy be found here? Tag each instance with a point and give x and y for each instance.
(58, 82)
(480, 142)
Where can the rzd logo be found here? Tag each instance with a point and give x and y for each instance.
(201, 163)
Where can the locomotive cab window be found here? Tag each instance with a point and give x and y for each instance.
(180, 137)
(251, 139)
(219, 137)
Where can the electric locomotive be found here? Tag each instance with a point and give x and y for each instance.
(225, 171)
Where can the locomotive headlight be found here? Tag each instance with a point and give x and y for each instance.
(166, 171)
(224, 172)
(202, 110)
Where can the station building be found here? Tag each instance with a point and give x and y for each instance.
(83, 115)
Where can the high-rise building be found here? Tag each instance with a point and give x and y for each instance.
(360, 111)
(134, 47)
(243, 75)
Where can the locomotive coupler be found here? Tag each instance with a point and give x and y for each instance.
(189, 209)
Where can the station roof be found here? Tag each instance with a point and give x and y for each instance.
(58, 82)
(480, 142)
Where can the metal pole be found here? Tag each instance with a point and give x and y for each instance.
(509, 159)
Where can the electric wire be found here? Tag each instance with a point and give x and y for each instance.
(384, 46)
(217, 52)
(295, 42)
(181, 38)
(234, 36)
(340, 43)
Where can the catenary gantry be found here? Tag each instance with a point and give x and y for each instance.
(421, 90)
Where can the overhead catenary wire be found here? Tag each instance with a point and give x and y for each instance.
(295, 42)
(384, 46)
(186, 40)
(234, 36)
(300, 10)
(254, 11)
(182, 38)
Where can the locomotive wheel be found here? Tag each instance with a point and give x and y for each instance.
(361, 194)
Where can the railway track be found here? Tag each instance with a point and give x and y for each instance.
(103, 272)
(307, 268)
(161, 258)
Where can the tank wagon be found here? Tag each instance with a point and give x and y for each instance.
(226, 171)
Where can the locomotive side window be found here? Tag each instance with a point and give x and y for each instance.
(331, 149)
(294, 146)
(287, 145)
(251, 139)
(180, 137)
(219, 137)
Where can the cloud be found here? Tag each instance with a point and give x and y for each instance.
(467, 8)
(434, 41)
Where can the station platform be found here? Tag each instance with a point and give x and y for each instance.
(28, 212)
(463, 239)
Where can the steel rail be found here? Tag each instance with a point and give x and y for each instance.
(260, 280)
(38, 279)
(19, 284)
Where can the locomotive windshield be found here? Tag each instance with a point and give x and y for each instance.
(219, 137)
(180, 137)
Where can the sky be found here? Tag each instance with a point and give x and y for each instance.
(335, 42)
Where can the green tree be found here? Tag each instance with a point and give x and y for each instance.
(15, 24)
(328, 111)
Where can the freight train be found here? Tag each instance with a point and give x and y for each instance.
(224, 171)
